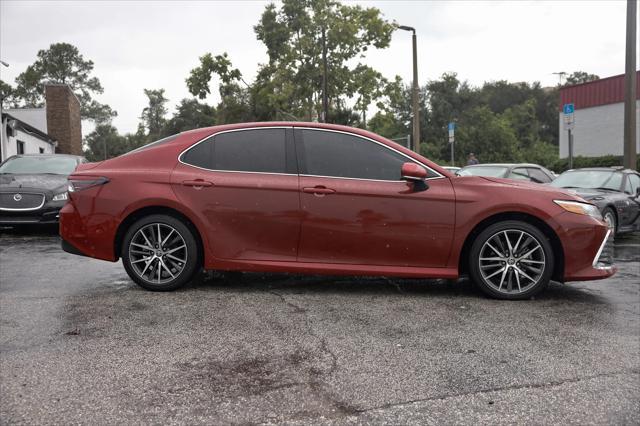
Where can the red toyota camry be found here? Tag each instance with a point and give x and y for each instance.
(323, 199)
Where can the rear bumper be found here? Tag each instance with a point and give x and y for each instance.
(70, 248)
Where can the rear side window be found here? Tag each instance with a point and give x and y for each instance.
(343, 155)
(519, 173)
(257, 150)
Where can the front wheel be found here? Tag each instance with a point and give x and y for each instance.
(160, 253)
(511, 260)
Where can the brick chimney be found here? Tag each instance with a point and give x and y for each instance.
(63, 118)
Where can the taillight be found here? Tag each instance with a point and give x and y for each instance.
(79, 183)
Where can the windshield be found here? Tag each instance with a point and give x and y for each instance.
(153, 144)
(489, 171)
(589, 179)
(57, 165)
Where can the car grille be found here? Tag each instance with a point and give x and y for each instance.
(604, 259)
(16, 201)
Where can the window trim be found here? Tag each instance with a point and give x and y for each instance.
(438, 175)
(206, 138)
(181, 154)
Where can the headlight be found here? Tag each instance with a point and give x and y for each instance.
(579, 208)
(60, 197)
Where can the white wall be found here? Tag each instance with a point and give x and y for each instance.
(598, 131)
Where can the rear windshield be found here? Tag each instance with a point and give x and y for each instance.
(488, 171)
(153, 144)
(61, 165)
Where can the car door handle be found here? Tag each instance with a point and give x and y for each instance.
(197, 184)
(318, 190)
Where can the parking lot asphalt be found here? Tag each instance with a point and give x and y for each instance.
(80, 343)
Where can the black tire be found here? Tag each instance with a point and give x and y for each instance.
(611, 219)
(164, 262)
(531, 272)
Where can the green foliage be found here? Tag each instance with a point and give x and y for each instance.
(562, 164)
(62, 63)
(190, 114)
(105, 136)
(153, 115)
(294, 35)
(6, 95)
(579, 77)
(200, 77)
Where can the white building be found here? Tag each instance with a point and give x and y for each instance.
(55, 128)
(20, 137)
(599, 117)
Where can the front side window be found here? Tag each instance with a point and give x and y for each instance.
(633, 184)
(255, 150)
(336, 154)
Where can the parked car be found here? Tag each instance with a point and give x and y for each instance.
(452, 169)
(615, 191)
(33, 187)
(323, 199)
(530, 172)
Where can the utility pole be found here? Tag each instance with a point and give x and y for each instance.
(325, 100)
(1, 122)
(416, 90)
(630, 153)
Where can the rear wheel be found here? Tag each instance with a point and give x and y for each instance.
(511, 260)
(160, 253)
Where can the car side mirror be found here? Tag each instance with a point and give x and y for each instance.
(638, 191)
(413, 172)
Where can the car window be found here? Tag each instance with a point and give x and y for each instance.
(255, 150)
(344, 155)
(487, 171)
(538, 175)
(519, 173)
(31, 165)
(590, 179)
(633, 184)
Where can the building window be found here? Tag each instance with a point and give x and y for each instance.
(20, 147)
(41, 150)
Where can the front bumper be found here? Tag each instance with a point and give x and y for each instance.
(45, 215)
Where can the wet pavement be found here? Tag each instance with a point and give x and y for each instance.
(80, 343)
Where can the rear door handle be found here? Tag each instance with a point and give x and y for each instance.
(318, 190)
(197, 184)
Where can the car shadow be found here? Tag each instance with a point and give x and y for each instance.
(246, 282)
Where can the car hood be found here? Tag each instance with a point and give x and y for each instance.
(41, 182)
(530, 186)
(589, 194)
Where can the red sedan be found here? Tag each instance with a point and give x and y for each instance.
(323, 199)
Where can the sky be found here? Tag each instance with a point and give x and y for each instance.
(154, 44)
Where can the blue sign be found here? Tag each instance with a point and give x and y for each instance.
(567, 109)
(452, 126)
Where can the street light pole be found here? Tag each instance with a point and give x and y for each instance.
(1, 122)
(630, 88)
(415, 92)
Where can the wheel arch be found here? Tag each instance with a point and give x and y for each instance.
(133, 216)
(554, 240)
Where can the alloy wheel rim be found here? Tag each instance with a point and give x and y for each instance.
(610, 220)
(158, 253)
(512, 261)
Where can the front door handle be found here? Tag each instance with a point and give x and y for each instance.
(318, 190)
(197, 183)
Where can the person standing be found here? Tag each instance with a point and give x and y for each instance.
(471, 160)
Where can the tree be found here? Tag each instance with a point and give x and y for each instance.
(294, 34)
(62, 63)
(190, 114)
(579, 77)
(153, 115)
(104, 142)
(6, 95)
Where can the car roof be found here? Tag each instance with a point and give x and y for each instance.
(605, 169)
